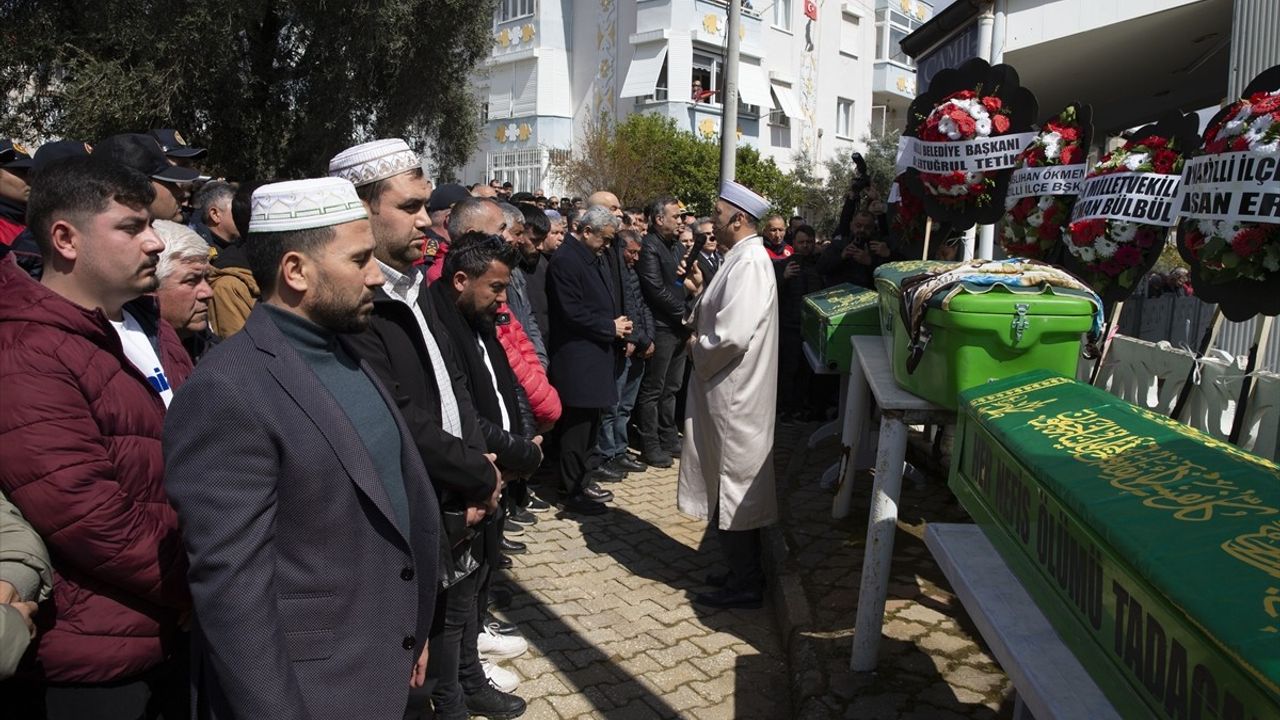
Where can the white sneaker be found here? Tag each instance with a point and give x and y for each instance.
(493, 645)
(503, 679)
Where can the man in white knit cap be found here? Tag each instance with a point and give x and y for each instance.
(726, 468)
(409, 353)
(311, 527)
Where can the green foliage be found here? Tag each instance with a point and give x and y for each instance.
(647, 156)
(273, 87)
(823, 197)
(1169, 258)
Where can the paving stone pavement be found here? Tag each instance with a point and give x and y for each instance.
(604, 603)
(932, 662)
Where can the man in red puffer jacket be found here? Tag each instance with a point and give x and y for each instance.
(88, 370)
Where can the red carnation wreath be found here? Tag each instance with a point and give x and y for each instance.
(1034, 225)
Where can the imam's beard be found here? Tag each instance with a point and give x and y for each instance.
(333, 313)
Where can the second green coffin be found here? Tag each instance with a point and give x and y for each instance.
(832, 316)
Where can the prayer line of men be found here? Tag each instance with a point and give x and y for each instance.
(279, 450)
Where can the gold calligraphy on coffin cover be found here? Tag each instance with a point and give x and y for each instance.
(1142, 467)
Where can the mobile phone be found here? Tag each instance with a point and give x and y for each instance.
(699, 244)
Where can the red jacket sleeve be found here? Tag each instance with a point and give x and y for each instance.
(543, 398)
(57, 470)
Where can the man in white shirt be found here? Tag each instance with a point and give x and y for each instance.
(416, 359)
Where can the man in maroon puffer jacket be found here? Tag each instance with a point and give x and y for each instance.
(88, 370)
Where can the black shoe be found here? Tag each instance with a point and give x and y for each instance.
(537, 504)
(500, 626)
(594, 492)
(658, 460)
(600, 475)
(606, 473)
(728, 598)
(581, 505)
(495, 704)
(503, 563)
(672, 451)
(513, 547)
(513, 530)
(499, 597)
(521, 517)
(625, 463)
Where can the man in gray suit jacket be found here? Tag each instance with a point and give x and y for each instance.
(311, 528)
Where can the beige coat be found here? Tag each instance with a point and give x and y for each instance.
(728, 430)
(234, 294)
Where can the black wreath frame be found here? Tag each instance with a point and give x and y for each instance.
(986, 80)
(1183, 131)
(1242, 298)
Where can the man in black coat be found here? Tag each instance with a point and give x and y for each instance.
(464, 304)
(312, 530)
(611, 459)
(709, 259)
(588, 328)
(797, 276)
(417, 364)
(663, 290)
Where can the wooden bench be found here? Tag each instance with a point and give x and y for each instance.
(1050, 681)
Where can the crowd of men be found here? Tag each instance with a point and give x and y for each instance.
(265, 445)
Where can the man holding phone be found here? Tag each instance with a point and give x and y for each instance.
(853, 255)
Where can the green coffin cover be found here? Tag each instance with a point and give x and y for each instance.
(888, 279)
(1154, 549)
(832, 316)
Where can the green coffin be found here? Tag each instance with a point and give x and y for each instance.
(830, 317)
(982, 333)
(1153, 549)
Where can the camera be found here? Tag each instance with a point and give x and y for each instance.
(860, 180)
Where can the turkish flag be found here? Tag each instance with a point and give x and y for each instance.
(811, 10)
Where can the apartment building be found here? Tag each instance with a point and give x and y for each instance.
(814, 76)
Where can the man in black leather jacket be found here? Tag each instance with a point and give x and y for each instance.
(664, 292)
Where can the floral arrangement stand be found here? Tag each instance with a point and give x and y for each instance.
(1234, 258)
(1126, 207)
(1229, 233)
(963, 136)
(1044, 186)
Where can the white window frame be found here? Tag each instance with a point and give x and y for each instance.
(508, 10)
(782, 15)
(522, 168)
(888, 20)
(844, 118)
(716, 70)
(878, 128)
(850, 23)
(779, 127)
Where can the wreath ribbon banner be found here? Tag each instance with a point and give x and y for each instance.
(1235, 187)
(998, 152)
(1046, 180)
(1140, 197)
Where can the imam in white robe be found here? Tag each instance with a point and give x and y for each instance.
(728, 431)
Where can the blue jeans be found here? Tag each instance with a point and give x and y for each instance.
(613, 422)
